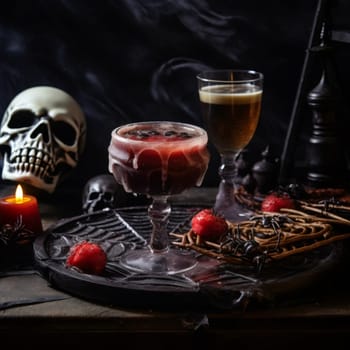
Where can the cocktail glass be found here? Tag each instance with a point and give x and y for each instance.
(158, 159)
(231, 104)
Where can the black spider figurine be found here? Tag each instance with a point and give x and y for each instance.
(16, 233)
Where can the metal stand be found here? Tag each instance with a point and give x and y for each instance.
(325, 161)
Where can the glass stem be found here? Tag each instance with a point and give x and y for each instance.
(225, 202)
(159, 212)
(228, 170)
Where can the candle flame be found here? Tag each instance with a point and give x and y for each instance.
(19, 193)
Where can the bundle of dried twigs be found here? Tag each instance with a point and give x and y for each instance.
(268, 237)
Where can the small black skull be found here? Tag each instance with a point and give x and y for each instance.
(99, 193)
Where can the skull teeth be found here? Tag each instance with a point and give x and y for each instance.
(28, 160)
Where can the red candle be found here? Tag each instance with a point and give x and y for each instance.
(21, 210)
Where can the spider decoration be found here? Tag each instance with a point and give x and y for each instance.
(331, 208)
(16, 233)
(244, 245)
(267, 238)
(275, 222)
(247, 248)
(333, 204)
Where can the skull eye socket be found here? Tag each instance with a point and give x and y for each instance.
(22, 119)
(107, 196)
(93, 196)
(64, 132)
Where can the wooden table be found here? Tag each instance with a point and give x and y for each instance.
(319, 317)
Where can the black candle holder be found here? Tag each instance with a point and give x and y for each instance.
(325, 159)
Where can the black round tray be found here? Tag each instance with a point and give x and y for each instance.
(212, 283)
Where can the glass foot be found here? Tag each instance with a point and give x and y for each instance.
(233, 213)
(170, 262)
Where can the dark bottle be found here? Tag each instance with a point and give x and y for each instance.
(265, 172)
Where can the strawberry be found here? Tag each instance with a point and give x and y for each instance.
(275, 201)
(208, 225)
(88, 257)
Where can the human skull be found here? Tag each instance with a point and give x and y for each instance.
(42, 135)
(99, 193)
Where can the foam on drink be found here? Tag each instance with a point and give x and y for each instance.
(229, 94)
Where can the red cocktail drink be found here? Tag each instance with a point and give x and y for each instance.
(158, 158)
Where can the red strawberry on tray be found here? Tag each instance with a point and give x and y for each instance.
(208, 225)
(275, 201)
(87, 257)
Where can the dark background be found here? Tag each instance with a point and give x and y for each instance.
(133, 60)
